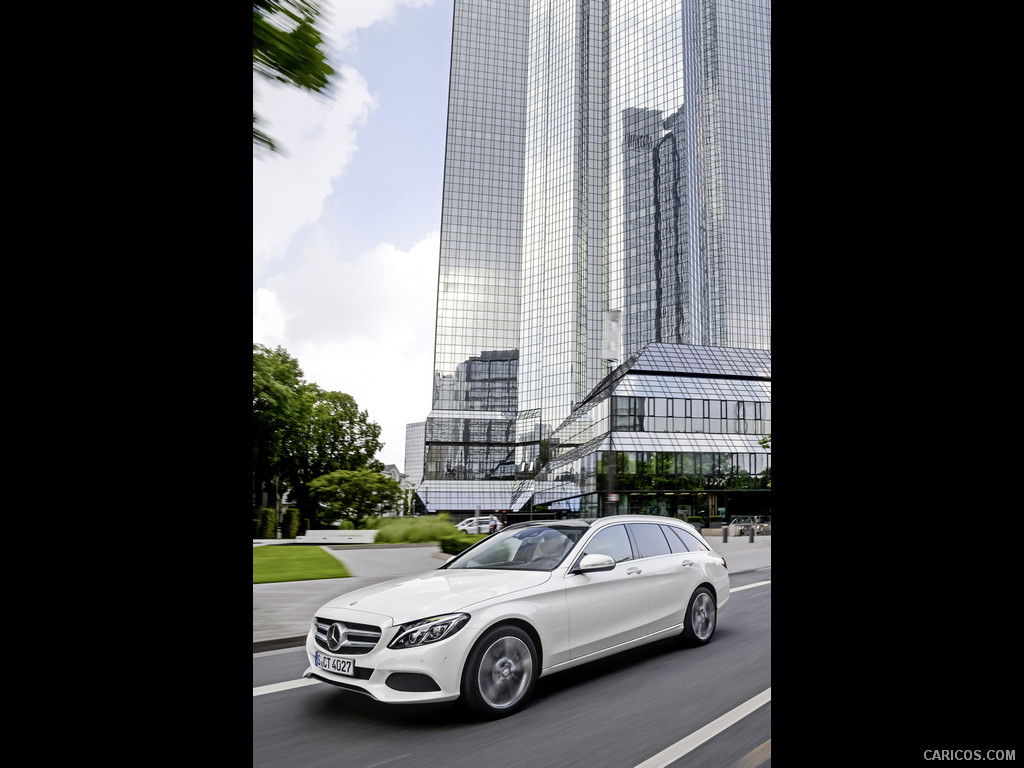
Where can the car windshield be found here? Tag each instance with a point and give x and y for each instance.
(535, 548)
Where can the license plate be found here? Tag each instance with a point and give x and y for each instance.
(335, 665)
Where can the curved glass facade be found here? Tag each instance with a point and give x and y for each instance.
(607, 187)
(675, 430)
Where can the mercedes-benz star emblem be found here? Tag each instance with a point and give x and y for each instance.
(336, 637)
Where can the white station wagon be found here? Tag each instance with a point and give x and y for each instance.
(531, 600)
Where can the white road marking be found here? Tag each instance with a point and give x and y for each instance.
(748, 586)
(282, 686)
(715, 727)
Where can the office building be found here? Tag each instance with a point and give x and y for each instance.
(414, 451)
(607, 197)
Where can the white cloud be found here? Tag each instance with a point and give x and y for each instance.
(364, 327)
(319, 138)
(362, 324)
(268, 319)
(354, 15)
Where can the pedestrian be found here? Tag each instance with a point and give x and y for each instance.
(494, 523)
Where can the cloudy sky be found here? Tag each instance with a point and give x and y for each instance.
(345, 222)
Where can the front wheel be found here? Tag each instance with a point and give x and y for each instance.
(500, 672)
(701, 618)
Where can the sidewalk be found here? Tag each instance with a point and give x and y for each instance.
(282, 612)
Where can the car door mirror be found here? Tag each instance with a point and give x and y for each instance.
(590, 563)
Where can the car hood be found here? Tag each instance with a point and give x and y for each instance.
(433, 593)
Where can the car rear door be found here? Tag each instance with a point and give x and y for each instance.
(673, 576)
(661, 575)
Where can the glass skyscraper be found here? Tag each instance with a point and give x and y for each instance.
(607, 188)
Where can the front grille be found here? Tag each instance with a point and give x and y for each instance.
(357, 638)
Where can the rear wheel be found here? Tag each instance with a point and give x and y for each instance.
(500, 672)
(701, 618)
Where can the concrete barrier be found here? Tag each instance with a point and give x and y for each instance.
(337, 537)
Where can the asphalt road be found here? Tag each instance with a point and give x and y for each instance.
(647, 708)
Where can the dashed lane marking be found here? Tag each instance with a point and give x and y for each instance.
(282, 686)
(680, 748)
(749, 586)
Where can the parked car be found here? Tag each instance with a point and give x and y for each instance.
(534, 599)
(761, 525)
(477, 525)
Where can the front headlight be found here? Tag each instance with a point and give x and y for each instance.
(430, 630)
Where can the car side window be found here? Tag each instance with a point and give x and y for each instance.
(691, 542)
(649, 539)
(674, 542)
(613, 542)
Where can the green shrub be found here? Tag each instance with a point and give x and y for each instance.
(290, 524)
(396, 530)
(453, 545)
(268, 524)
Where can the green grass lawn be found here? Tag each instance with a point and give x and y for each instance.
(280, 562)
(284, 563)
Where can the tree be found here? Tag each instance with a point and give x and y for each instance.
(276, 379)
(354, 494)
(287, 48)
(332, 434)
(301, 432)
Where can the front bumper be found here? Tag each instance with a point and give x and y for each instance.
(430, 673)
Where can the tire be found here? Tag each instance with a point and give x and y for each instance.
(500, 672)
(701, 618)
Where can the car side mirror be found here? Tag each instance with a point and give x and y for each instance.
(589, 563)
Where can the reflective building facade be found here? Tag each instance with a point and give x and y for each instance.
(414, 452)
(607, 188)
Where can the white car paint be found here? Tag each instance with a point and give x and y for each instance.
(434, 592)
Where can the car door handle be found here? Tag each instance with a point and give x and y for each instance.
(686, 563)
(632, 571)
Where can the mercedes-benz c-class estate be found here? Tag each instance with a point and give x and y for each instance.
(533, 599)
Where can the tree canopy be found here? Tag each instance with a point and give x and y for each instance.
(301, 431)
(354, 494)
(287, 47)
